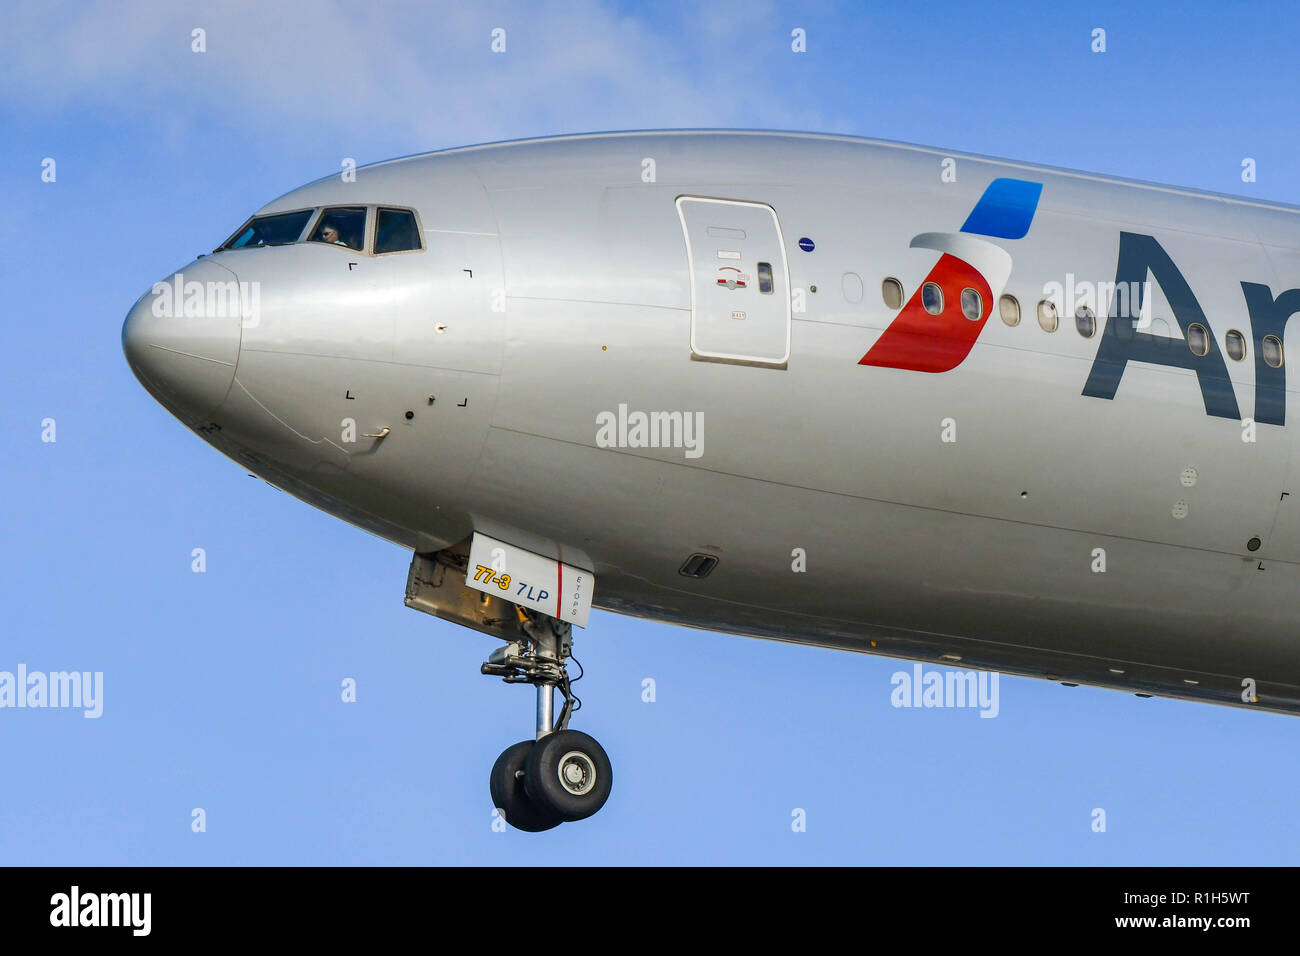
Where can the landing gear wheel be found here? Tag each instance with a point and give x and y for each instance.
(568, 774)
(508, 794)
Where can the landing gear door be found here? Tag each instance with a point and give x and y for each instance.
(740, 284)
(532, 580)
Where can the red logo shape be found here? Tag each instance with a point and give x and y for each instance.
(921, 342)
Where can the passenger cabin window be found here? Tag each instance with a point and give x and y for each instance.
(342, 226)
(1085, 321)
(279, 229)
(891, 290)
(1047, 318)
(765, 284)
(1271, 347)
(1160, 331)
(1198, 340)
(972, 304)
(1236, 343)
(1009, 308)
(396, 231)
(932, 298)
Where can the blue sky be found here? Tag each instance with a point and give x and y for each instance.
(221, 690)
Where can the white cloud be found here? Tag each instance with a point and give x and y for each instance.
(424, 73)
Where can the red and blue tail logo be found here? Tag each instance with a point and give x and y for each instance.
(923, 342)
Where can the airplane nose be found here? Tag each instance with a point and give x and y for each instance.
(181, 338)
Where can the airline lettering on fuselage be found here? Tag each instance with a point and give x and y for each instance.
(1268, 316)
(1121, 343)
(915, 341)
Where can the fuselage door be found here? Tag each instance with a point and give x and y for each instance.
(740, 285)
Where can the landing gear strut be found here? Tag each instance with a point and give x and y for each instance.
(562, 775)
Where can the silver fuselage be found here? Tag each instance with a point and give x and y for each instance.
(556, 285)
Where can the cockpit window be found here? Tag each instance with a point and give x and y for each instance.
(396, 231)
(341, 226)
(275, 230)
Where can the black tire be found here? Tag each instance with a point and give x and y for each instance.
(509, 797)
(586, 760)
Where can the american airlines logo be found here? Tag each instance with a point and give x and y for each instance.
(913, 341)
(963, 288)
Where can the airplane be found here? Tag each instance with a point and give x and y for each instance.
(959, 410)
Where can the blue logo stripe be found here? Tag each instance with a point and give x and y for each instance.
(1005, 210)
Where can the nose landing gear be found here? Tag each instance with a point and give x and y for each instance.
(563, 775)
